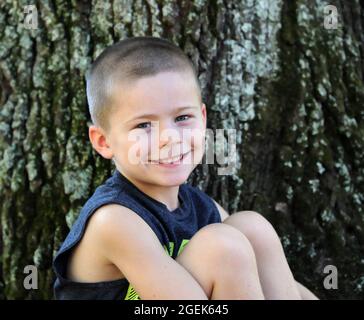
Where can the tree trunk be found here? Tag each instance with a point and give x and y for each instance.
(292, 89)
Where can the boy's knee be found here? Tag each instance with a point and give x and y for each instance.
(220, 243)
(217, 252)
(258, 230)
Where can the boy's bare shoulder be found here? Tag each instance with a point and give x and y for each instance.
(81, 258)
(128, 242)
(113, 235)
(120, 232)
(222, 211)
(121, 236)
(115, 219)
(106, 215)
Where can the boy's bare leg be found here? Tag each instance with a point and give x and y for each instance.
(222, 261)
(275, 275)
(305, 293)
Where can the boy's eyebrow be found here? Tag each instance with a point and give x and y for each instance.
(151, 115)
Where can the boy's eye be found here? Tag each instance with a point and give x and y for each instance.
(141, 125)
(185, 115)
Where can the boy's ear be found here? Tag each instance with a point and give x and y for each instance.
(204, 114)
(99, 142)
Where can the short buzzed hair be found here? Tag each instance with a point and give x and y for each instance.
(129, 60)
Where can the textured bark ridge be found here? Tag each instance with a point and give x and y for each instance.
(292, 89)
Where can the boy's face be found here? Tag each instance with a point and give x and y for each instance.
(139, 142)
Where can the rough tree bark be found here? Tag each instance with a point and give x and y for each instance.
(292, 89)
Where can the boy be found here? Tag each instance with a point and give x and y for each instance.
(145, 233)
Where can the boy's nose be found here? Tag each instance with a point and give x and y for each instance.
(168, 133)
(170, 151)
(164, 142)
(170, 140)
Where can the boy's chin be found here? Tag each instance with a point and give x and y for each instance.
(170, 179)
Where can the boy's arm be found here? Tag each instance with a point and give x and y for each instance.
(305, 293)
(128, 242)
(223, 213)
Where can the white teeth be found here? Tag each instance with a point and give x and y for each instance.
(171, 160)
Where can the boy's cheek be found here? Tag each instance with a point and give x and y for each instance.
(198, 141)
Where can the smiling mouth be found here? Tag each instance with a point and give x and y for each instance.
(174, 160)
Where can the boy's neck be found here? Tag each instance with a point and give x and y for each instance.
(166, 195)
